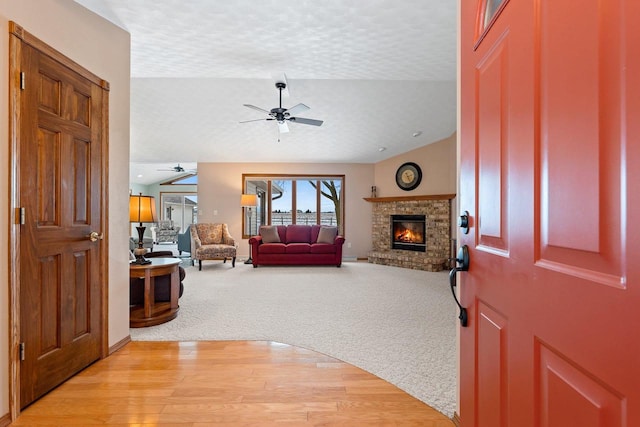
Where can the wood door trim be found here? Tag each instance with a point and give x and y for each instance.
(17, 35)
(38, 44)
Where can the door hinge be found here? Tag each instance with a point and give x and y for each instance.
(20, 216)
(22, 357)
(23, 80)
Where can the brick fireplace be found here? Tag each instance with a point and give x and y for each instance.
(435, 250)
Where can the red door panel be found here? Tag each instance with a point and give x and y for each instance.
(549, 158)
(493, 180)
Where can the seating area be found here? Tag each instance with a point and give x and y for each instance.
(165, 232)
(212, 241)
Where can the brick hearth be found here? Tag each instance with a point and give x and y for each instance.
(437, 210)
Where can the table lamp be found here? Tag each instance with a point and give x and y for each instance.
(249, 201)
(141, 209)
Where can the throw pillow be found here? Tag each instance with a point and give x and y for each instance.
(327, 234)
(269, 234)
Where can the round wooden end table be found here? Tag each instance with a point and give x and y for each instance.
(151, 312)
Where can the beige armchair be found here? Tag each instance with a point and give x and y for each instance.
(212, 241)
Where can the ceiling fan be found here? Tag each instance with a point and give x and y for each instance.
(284, 115)
(177, 169)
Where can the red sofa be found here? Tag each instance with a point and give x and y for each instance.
(298, 245)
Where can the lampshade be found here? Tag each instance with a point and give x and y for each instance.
(249, 200)
(142, 209)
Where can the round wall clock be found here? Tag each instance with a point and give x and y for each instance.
(408, 176)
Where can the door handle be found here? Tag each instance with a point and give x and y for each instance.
(462, 264)
(94, 236)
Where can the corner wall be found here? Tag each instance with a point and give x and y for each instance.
(103, 49)
(438, 164)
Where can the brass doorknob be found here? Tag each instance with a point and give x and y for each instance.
(94, 236)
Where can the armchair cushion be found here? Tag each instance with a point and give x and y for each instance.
(210, 234)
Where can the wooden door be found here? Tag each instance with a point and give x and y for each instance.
(60, 145)
(550, 155)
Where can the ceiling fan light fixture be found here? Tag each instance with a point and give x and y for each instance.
(283, 115)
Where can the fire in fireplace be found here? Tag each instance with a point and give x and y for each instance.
(408, 232)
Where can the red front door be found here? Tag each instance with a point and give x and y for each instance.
(550, 153)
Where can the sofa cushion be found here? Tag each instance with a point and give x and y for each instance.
(298, 234)
(298, 248)
(269, 234)
(315, 229)
(272, 248)
(323, 248)
(327, 234)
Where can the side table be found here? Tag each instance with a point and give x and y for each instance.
(154, 313)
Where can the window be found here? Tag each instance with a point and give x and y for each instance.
(293, 199)
(181, 208)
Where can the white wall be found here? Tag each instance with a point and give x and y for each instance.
(103, 49)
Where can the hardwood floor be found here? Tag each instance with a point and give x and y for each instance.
(226, 383)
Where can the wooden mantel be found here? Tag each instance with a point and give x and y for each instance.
(410, 198)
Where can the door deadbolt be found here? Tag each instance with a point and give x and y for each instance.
(463, 222)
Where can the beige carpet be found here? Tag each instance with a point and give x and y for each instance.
(396, 323)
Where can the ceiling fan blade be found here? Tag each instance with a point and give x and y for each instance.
(297, 109)
(283, 127)
(255, 120)
(256, 108)
(306, 121)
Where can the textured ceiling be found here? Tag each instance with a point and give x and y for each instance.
(375, 71)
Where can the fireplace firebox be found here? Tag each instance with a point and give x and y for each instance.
(408, 232)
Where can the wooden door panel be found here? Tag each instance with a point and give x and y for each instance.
(80, 176)
(492, 92)
(79, 295)
(47, 158)
(47, 307)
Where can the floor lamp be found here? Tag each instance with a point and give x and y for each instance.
(249, 201)
(141, 209)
